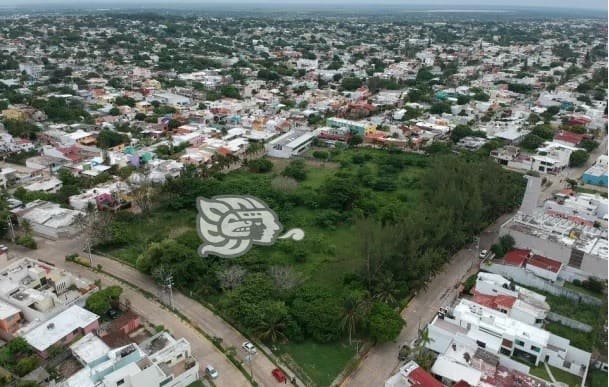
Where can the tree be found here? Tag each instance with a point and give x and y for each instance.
(284, 277)
(231, 277)
(142, 194)
(531, 141)
(318, 312)
(340, 193)
(95, 228)
(578, 158)
(114, 111)
(351, 83)
(355, 140)
(273, 323)
(295, 170)
(321, 155)
(262, 165)
(109, 138)
(101, 302)
(384, 323)
(355, 307)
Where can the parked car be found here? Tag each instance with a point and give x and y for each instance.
(279, 375)
(483, 254)
(3, 249)
(211, 371)
(249, 347)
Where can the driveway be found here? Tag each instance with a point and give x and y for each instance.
(199, 316)
(381, 361)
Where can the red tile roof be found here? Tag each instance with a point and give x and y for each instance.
(544, 263)
(419, 377)
(495, 302)
(516, 257)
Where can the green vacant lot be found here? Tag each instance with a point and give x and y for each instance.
(321, 362)
(378, 223)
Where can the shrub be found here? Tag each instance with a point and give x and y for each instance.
(593, 284)
(27, 241)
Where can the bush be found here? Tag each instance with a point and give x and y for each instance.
(593, 284)
(27, 241)
(260, 166)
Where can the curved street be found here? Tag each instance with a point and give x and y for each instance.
(198, 315)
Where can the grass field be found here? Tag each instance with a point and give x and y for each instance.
(597, 378)
(322, 362)
(582, 290)
(559, 375)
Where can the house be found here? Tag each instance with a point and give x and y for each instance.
(159, 361)
(49, 220)
(568, 138)
(360, 128)
(478, 327)
(290, 144)
(11, 320)
(544, 267)
(412, 375)
(62, 329)
(50, 185)
(496, 292)
(597, 173)
(37, 291)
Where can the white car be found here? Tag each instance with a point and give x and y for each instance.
(211, 371)
(483, 254)
(249, 347)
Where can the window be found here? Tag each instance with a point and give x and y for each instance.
(519, 343)
(535, 349)
(539, 321)
(120, 382)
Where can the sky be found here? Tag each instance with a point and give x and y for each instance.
(580, 4)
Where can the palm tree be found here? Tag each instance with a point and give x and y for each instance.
(26, 226)
(355, 308)
(271, 328)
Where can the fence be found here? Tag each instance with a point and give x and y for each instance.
(566, 321)
(524, 277)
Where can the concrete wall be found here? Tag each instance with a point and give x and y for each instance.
(566, 321)
(527, 278)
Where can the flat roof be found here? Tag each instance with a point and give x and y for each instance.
(56, 328)
(89, 348)
(7, 310)
(454, 371)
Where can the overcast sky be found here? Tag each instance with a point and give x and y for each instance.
(588, 4)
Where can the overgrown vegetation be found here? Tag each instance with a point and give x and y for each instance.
(378, 224)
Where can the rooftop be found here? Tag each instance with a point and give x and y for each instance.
(56, 328)
(544, 263)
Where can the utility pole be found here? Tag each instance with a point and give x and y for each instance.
(169, 284)
(10, 226)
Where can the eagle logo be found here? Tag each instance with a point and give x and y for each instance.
(230, 225)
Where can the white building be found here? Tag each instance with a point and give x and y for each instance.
(49, 220)
(159, 361)
(477, 326)
(50, 185)
(290, 144)
(496, 292)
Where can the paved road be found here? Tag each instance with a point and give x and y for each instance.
(381, 362)
(151, 310)
(206, 320)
